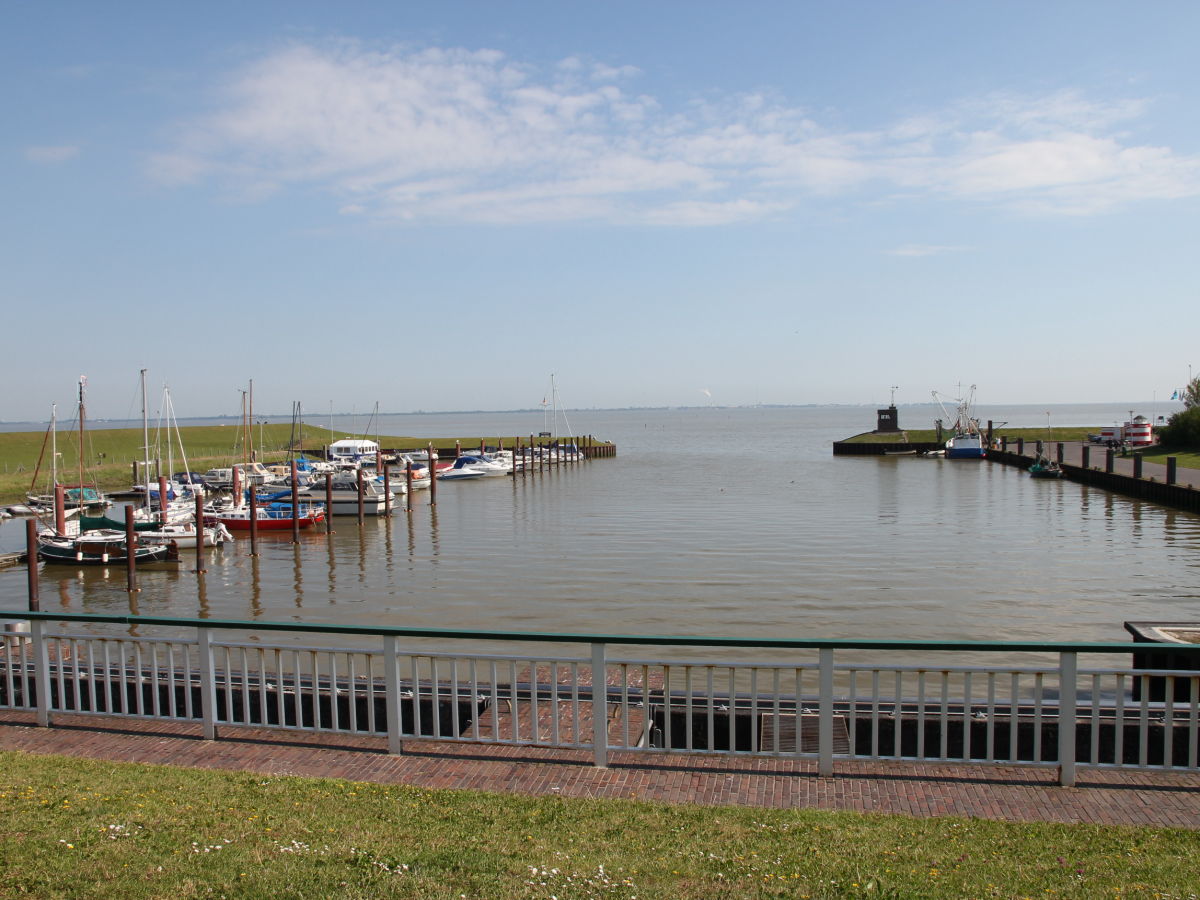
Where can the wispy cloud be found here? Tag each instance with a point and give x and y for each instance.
(51, 155)
(458, 135)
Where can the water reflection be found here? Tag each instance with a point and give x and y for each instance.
(709, 523)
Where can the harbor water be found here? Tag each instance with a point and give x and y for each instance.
(710, 521)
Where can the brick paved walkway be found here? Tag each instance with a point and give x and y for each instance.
(1010, 793)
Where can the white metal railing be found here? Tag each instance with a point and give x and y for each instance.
(812, 706)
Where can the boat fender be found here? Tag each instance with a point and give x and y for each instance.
(104, 557)
(78, 556)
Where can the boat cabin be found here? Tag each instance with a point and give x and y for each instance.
(353, 452)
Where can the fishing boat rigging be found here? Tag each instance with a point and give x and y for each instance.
(967, 441)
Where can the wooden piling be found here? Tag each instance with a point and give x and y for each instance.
(359, 483)
(199, 534)
(295, 504)
(432, 477)
(131, 584)
(253, 523)
(329, 503)
(60, 508)
(31, 564)
(408, 483)
(162, 499)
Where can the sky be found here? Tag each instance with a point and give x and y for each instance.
(437, 206)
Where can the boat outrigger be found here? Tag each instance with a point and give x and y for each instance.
(967, 442)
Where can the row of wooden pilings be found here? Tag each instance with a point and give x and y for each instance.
(1168, 491)
(534, 456)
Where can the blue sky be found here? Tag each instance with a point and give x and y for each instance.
(435, 206)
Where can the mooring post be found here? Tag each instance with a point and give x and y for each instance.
(31, 563)
(457, 449)
(432, 477)
(359, 484)
(408, 484)
(162, 499)
(1060, 452)
(1171, 467)
(199, 534)
(1085, 456)
(295, 503)
(130, 552)
(387, 492)
(1137, 466)
(329, 503)
(1020, 446)
(1108, 460)
(60, 509)
(253, 499)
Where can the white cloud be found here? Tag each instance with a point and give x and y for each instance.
(460, 135)
(51, 155)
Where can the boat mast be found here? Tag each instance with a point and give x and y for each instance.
(145, 442)
(53, 445)
(249, 427)
(82, 416)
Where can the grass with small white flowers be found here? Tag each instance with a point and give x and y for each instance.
(80, 828)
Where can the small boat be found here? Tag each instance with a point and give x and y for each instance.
(345, 494)
(276, 517)
(104, 547)
(1045, 468)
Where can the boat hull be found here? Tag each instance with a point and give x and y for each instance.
(101, 553)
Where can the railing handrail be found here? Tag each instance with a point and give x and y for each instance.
(618, 639)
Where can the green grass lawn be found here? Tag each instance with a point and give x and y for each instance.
(78, 828)
(1186, 459)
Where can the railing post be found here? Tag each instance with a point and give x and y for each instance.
(825, 731)
(1068, 664)
(208, 685)
(41, 675)
(395, 710)
(599, 706)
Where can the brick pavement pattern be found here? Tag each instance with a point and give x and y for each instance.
(1106, 797)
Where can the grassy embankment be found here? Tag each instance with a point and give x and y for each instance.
(79, 828)
(109, 454)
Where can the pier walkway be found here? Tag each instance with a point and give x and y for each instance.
(1002, 793)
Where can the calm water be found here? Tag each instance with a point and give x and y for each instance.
(715, 522)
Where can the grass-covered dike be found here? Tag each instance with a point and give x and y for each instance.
(80, 828)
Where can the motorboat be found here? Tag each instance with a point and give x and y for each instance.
(275, 517)
(344, 489)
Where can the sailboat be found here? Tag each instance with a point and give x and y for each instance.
(99, 546)
(1043, 466)
(967, 442)
(76, 497)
